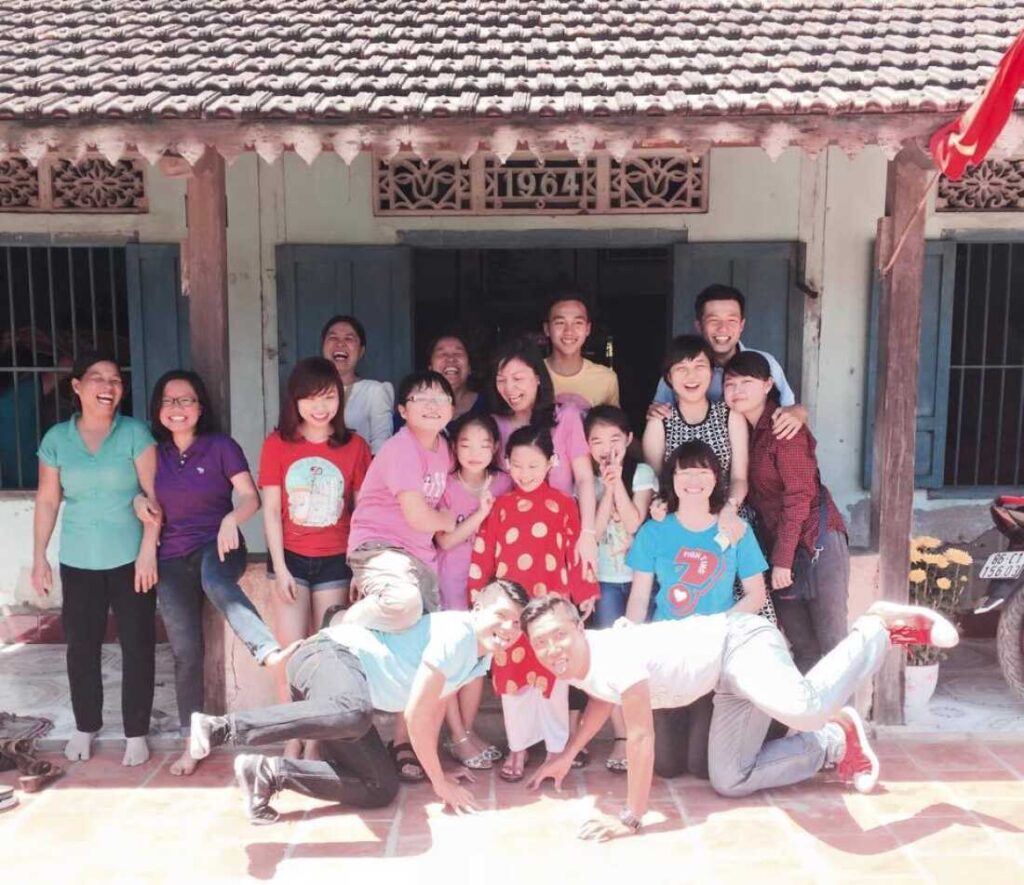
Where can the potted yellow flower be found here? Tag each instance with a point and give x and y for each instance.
(938, 577)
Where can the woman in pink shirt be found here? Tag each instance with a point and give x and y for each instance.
(522, 394)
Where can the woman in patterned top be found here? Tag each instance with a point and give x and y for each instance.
(688, 366)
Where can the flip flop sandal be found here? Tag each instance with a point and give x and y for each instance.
(40, 774)
(492, 752)
(510, 774)
(405, 759)
(582, 759)
(619, 765)
(479, 762)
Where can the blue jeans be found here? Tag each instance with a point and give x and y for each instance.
(611, 604)
(184, 580)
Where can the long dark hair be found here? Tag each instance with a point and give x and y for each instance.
(614, 417)
(310, 377)
(488, 425)
(695, 453)
(207, 422)
(524, 350)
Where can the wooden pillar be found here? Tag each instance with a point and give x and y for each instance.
(206, 254)
(899, 333)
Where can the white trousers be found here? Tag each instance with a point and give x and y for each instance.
(530, 717)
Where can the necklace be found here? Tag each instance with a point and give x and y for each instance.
(473, 489)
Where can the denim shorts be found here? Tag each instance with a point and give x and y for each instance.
(316, 572)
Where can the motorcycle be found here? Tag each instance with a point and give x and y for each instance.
(1004, 574)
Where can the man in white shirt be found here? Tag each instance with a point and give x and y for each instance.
(744, 659)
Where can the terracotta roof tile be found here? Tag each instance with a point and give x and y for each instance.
(335, 58)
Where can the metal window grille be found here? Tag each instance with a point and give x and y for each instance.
(985, 434)
(59, 302)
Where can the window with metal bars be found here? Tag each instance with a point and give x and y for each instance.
(985, 430)
(56, 302)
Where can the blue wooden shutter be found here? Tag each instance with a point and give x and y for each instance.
(767, 274)
(372, 283)
(157, 317)
(933, 371)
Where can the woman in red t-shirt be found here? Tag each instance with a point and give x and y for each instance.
(310, 470)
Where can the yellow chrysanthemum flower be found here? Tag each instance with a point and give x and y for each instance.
(926, 542)
(917, 575)
(958, 556)
(940, 561)
(943, 583)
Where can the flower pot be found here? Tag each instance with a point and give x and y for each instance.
(919, 686)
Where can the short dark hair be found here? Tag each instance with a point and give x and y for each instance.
(749, 364)
(86, 360)
(513, 590)
(422, 380)
(566, 293)
(694, 453)
(544, 605)
(357, 327)
(309, 377)
(207, 422)
(718, 292)
(685, 347)
(533, 436)
(524, 350)
(476, 419)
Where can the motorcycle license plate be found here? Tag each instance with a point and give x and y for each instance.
(1003, 565)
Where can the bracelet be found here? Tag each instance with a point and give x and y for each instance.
(630, 820)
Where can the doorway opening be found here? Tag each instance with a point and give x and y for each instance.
(495, 294)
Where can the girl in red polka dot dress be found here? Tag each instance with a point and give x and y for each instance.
(530, 537)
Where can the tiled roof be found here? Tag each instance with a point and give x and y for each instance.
(365, 59)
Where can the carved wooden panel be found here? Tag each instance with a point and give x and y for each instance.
(652, 181)
(92, 185)
(991, 186)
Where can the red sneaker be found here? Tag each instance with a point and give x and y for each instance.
(859, 764)
(915, 625)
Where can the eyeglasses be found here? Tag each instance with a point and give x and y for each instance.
(429, 399)
(182, 402)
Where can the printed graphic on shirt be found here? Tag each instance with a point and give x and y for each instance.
(697, 571)
(433, 486)
(316, 492)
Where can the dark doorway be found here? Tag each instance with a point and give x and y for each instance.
(493, 294)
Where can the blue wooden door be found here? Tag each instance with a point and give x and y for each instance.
(157, 318)
(371, 283)
(933, 369)
(767, 274)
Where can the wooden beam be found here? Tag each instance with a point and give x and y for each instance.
(206, 255)
(899, 333)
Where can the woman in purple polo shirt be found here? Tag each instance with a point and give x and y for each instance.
(202, 551)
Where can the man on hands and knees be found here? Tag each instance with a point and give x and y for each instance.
(338, 677)
(744, 659)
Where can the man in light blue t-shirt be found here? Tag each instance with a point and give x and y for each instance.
(720, 317)
(338, 678)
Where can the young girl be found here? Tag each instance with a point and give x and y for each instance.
(469, 495)
(624, 492)
(803, 530)
(696, 567)
(529, 537)
(310, 470)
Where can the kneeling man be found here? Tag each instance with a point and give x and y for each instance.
(338, 677)
(744, 659)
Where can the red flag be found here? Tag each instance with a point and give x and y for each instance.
(967, 139)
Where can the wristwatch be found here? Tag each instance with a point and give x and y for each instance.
(630, 820)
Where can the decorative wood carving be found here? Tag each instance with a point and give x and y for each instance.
(664, 180)
(91, 185)
(991, 186)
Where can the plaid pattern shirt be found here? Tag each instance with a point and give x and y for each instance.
(784, 487)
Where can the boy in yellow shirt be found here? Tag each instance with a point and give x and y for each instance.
(567, 327)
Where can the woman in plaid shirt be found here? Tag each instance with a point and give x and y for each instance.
(805, 536)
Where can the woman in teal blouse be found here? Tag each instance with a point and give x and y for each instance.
(96, 463)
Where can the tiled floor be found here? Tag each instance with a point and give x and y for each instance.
(946, 812)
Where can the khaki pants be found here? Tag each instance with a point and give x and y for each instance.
(397, 589)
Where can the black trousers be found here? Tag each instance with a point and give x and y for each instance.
(681, 739)
(331, 704)
(88, 595)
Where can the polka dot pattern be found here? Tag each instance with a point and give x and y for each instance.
(539, 530)
(525, 561)
(524, 505)
(479, 546)
(474, 572)
(550, 563)
(518, 655)
(512, 535)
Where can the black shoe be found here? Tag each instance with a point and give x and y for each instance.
(207, 732)
(329, 615)
(255, 778)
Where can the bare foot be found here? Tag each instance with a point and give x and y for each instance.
(512, 770)
(280, 656)
(79, 748)
(311, 751)
(184, 765)
(136, 751)
(292, 749)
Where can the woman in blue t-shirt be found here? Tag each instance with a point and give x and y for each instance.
(696, 567)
